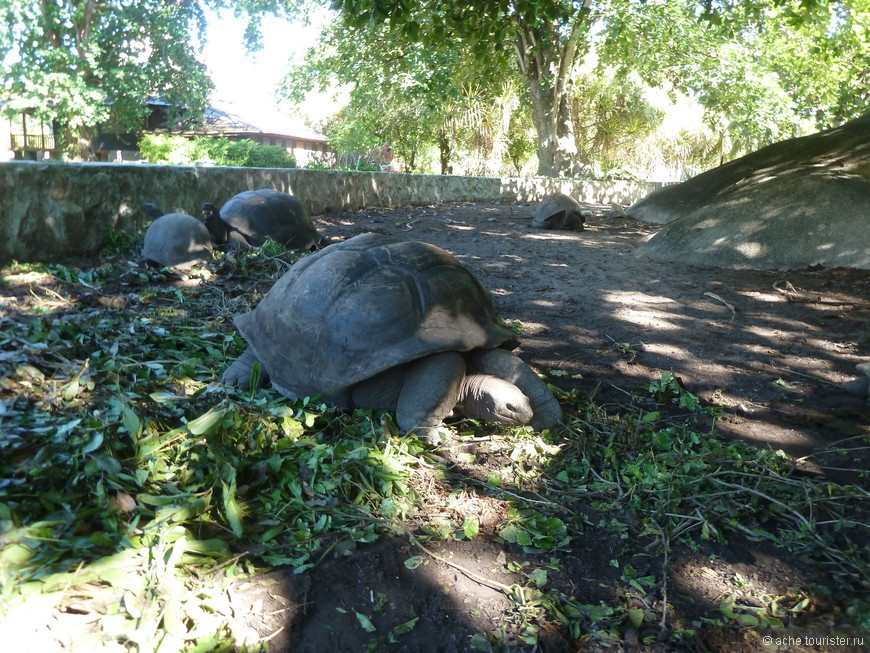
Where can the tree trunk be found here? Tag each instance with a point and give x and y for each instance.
(444, 151)
(557, 149)
(411, 159)
(546, 60)
(78, 143)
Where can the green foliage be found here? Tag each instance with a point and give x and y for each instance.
(520, 139)
(612, 116)
(245, 153)
(143, 470)
(669, 389)
(352, 135)
(763, 71)
(535, 532)
(544, 39)
(682, 484)
(80, 64)
(414, 97)
(478, 125)
(163, 148)
(178, 150)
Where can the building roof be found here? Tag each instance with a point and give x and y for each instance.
(226, 118)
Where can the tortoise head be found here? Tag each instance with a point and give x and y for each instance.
(152, 210)
(215, 225)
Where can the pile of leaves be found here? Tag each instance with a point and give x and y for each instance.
(135, 487)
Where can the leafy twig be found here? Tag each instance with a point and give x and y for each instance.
(492, 584)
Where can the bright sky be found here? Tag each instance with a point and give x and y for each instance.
(246, 80)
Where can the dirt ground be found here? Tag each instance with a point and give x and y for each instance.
(769, 347)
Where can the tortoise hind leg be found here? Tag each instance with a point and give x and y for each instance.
(239, 373)
(507, 366)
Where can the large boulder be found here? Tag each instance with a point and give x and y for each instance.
(793, 204)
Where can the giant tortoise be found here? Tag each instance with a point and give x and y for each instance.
(861, 386)
(558, 211)
(376, 322)
(177, 240)
(180, 240)
(267, 213)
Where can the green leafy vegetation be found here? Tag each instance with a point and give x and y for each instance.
(754, 66)
(132, 481)
(84, 65)
(459, 87)
(178, 150)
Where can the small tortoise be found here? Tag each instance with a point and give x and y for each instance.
(256, 215)
(180, 240)
(375, 322)
(558, 211)
(177, 240)
(860, 387)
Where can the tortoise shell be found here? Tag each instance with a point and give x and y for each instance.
(268, 213)
(177, 240)
(558, 211)
(370, 303)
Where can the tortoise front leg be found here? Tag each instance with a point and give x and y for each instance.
(239, 373)
(429, 392)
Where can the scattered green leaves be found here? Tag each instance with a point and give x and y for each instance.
(670, 389)
(122, 460)
(535, 532)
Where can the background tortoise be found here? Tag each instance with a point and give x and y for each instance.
(380, 323)
(558, 211)
(177, 240)
(260, 214)
(860, 387)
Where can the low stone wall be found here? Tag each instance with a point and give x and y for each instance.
(52, 211)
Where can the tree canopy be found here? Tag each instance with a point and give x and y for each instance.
(446, 71)
(82, 63)
(402, 92)
(760, 57)
(760, 69)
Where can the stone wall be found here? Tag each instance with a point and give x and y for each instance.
(52, 211)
